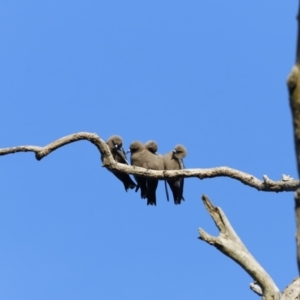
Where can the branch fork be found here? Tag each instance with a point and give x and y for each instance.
(231, 245)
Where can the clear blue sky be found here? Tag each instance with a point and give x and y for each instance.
(208, 74)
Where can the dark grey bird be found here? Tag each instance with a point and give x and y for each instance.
(174, 161)
(142, 157)
(115, 145)
(137, 150)
(151, 146)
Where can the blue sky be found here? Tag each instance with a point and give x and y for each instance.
(207, 74)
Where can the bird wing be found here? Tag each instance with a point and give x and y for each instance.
(166, 188)
(122, 155)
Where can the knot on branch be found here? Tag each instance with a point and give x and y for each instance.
(40, 154)
(268, 183)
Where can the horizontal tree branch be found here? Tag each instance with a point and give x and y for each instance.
(230, 244)
(286, 184)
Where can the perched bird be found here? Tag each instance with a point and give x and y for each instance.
(115, 144)
(142, 157)
(137, 150)
(151, 146)
(174, 161)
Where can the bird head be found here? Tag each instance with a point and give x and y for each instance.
(115, 142)
(151, 146)
(179, 151)
(136, 146)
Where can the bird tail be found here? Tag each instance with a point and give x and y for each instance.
(128, 182)
(166, 188)
(151, 199)
(151, 191)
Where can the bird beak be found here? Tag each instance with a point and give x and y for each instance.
(174, 151)
(128, 151)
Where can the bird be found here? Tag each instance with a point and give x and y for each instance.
(137, 151)
(151, 146)
(115, 145)
(142, 157)
(173, 160)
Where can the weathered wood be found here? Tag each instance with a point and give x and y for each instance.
(229, 243)
(287, 184)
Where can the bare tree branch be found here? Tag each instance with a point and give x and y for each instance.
(286, 184)
(230, 244)
(293, 83)
(292, 291)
